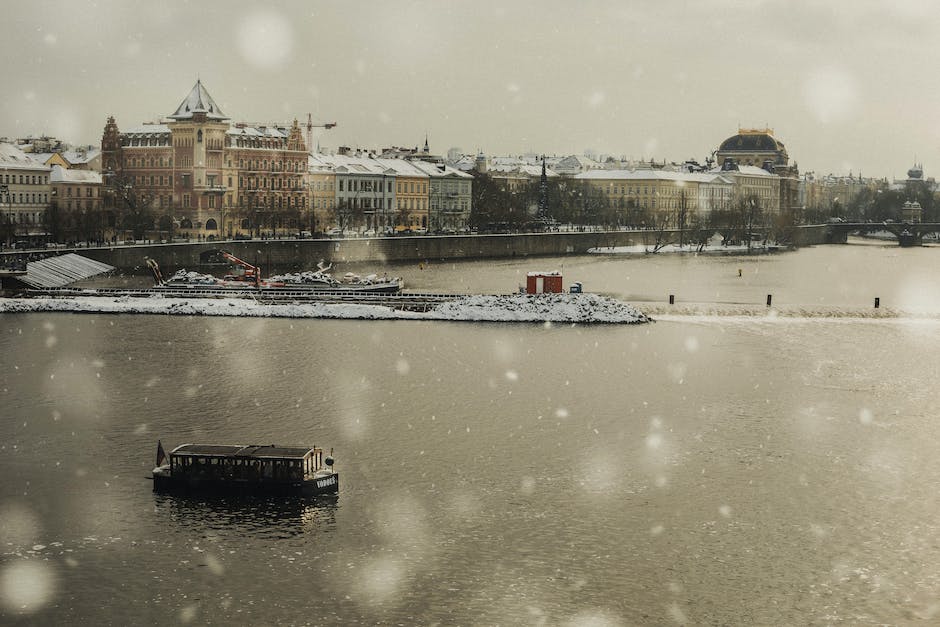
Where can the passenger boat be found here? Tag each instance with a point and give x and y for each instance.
(268, 469)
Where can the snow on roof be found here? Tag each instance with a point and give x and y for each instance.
(12, 158)
(749, 170)
(646, 175)
(401, 167)
(61, 270)
(65, 175)
(147, 129)
(198, 101)
(562, 308)
(531, 171)
(343, 164)
(435, 170)
(81, 156)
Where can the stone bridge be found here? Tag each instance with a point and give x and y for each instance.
(907, 233)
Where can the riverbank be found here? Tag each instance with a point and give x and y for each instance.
(302, 254)
(560, 308)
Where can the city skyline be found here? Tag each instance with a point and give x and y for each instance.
(843, 85)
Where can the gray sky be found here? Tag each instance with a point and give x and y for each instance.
(846, 85)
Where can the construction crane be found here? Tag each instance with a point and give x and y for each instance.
(243, 271)
(311, 126)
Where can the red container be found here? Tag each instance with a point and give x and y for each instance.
(543, 283)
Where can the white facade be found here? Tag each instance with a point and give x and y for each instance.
(451, 194)
(24, 193)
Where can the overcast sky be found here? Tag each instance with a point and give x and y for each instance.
(846, 85)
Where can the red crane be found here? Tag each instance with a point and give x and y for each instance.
(244, 271)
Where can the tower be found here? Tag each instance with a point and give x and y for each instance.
(543, 194)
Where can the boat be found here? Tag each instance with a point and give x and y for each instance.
(263, 469)
(247, 276)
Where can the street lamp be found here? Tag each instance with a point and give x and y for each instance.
(5, 189)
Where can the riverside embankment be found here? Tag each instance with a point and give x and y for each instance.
(305, 253)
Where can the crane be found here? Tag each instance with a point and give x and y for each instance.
(311, 126)
(245, 272)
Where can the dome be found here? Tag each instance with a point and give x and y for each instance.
(754, 142)
(750, 141)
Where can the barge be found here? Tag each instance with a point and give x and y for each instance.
(271, 469)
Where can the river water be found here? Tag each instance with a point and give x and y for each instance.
(727, 464)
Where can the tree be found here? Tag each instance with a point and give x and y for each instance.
(134, 205)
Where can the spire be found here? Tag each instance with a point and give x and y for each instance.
(543, 193)
(198, 101)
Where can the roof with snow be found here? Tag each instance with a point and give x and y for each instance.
(436, 170)
(147, 129)
(747, 170)
(400, 167)
(61, 270)
(12, 158)
(661, 175)
(76, 157)
(198, 101)
(65, 175)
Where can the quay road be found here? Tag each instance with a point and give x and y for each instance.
(273, 296)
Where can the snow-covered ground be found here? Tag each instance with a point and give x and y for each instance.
(686, 248)
(510, 308)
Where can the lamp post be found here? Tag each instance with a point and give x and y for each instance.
(5, 189)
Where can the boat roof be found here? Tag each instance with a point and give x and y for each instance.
(251, 451)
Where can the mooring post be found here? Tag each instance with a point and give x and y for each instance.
(877, 302)
(769, 299)
(672, 299)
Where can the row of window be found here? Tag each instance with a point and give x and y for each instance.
(78, 191)
(266, 183)
(79, 204)
(25, 198)
(25, 179)
(23, 217)
(276, 166)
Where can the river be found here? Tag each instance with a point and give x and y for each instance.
(722, 465)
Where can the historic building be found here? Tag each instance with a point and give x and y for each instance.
(25, 193)
(660, 194)
(753, 146)
(759, 149)
(201, 176)
(753, 185)
(75, 210)
(450, 192)
(411, 198)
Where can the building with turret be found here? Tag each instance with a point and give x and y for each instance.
(202, 177)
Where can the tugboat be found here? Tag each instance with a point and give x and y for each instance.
(245, 469)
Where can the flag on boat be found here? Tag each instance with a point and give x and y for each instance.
(161, 456)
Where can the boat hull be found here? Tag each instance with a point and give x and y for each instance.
(326, 484)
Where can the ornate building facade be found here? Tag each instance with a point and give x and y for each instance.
(198, 176)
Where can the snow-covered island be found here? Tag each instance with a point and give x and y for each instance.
(562, 308)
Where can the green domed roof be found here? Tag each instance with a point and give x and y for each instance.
(751, 141)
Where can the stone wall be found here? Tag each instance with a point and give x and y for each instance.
(304, 254)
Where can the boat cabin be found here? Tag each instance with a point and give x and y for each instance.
(246, 463)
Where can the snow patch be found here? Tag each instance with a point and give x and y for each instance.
(569, 308)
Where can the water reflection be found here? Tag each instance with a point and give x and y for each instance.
(257, 516)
